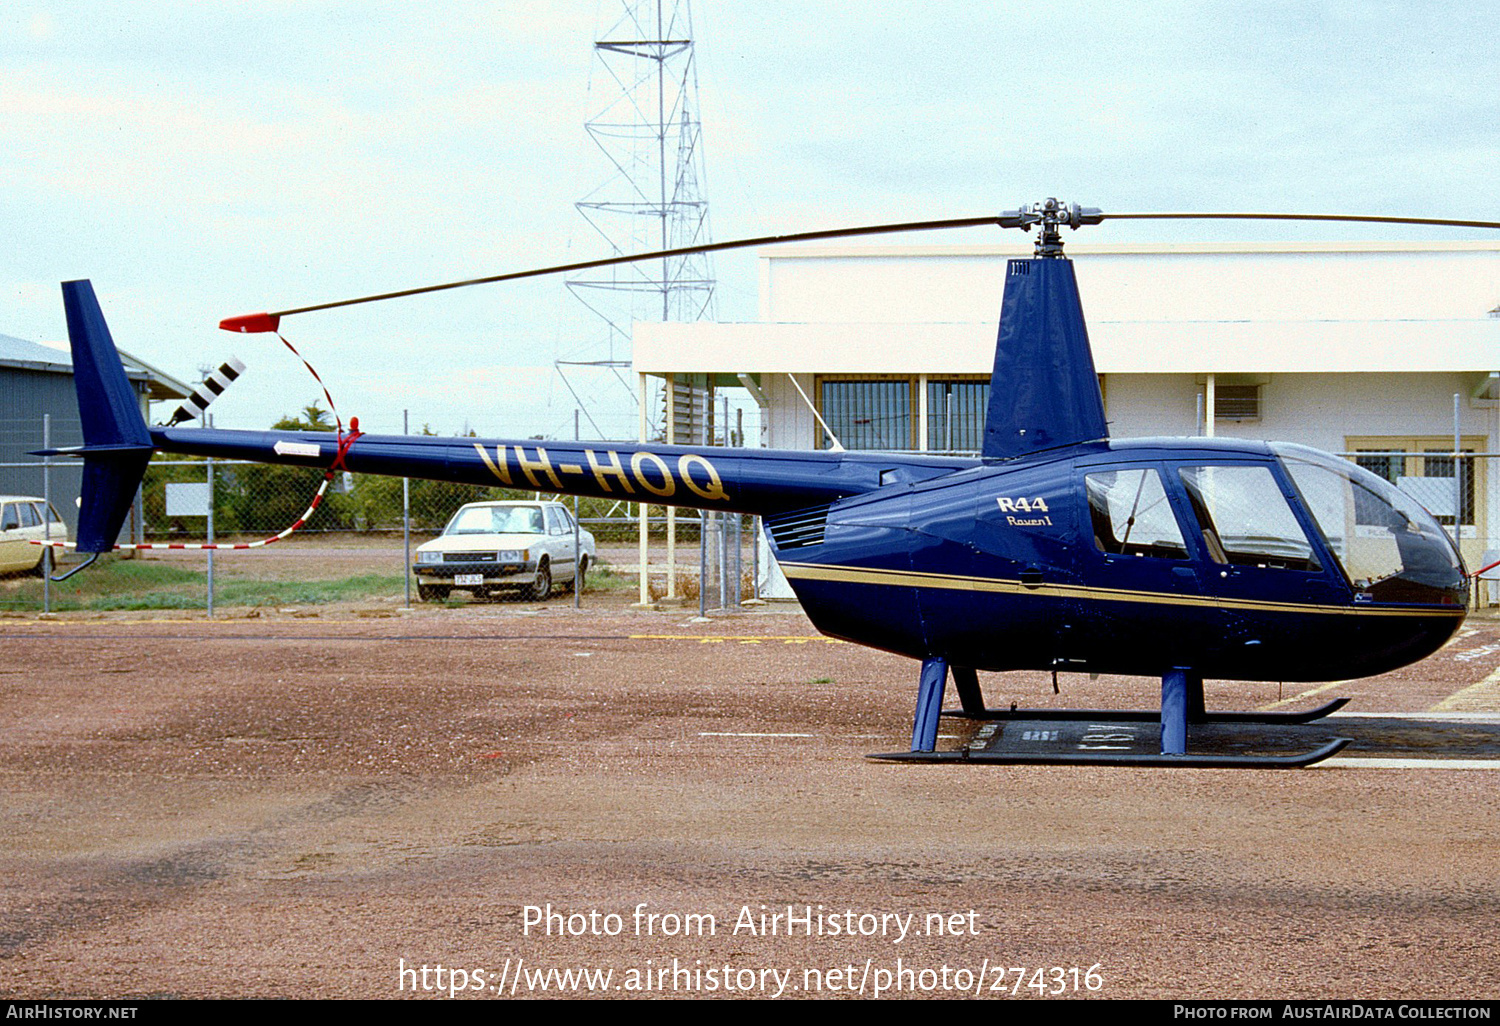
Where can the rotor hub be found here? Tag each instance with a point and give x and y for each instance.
(1051, 215)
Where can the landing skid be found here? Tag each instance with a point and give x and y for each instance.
(1189, 760)
(1102, 737)
(1149, 715)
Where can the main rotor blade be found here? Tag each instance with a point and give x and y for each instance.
(268, 321)
(1368, 219)
(1007, 219)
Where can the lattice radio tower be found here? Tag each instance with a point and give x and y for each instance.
(647, 127)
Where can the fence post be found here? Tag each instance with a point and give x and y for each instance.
(47, 515)
(1458, 479)
(739, 558)
(406, 516)
(703, 562)
(209, 422)
(755, 529)
(724, 559)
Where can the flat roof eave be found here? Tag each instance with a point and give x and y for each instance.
(1120, 347)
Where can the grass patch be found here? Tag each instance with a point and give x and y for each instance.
(139, 584)
(604, 578)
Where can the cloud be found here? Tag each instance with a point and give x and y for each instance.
(205, 159)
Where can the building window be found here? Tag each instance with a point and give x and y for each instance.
(955, 415)
(1381, 464)
(869, 413)
(1424, 468)
(1442, 466)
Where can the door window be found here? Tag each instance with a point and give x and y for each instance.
(1245, 518)
(1131, 515)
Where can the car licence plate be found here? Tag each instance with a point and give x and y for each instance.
(466, 579)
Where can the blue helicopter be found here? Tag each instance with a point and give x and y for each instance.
(1056, 548)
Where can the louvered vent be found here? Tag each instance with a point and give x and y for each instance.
(1237, 402)
(798, 529)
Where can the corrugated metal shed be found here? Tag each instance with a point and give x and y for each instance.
(36, 381)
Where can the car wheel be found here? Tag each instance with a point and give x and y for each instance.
(543, 586)
(581, 578)
(432, 592)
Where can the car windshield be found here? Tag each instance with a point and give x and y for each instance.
(496, 520)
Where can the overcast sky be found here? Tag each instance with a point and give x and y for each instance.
(199, 160)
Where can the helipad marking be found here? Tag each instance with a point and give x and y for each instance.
(726, 733)
(1481, 697)
(719, 733)
(747, 639)
(1348, 762)
(1461, 635)
(1440, 716)
(1306, 694)
(1468, 655)
(223, 621)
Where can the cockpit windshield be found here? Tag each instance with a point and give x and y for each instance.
(1390, 547)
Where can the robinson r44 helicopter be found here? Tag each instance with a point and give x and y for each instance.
(1057, 548)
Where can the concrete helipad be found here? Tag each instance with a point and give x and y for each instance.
(552, 802)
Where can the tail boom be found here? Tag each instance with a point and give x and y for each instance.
(755, 481)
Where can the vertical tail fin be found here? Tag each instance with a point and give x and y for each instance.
(1044, 392)
(116, 441)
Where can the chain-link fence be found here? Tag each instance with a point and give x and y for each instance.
(717, 562)
(360, 542)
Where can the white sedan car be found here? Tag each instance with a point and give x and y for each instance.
(492, 546)
(21, 523)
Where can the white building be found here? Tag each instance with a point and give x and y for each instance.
(1349, 347)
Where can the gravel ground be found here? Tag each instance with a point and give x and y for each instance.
(298, 805)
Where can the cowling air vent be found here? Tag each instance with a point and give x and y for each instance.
(798, 529)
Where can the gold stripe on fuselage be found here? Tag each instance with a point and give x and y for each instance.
(957, 582)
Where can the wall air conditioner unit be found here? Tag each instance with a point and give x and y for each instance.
(1237, 402)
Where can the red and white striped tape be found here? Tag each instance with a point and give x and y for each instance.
(344, 442)
(317, 499)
